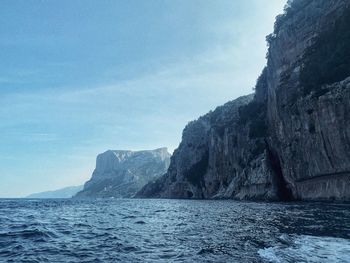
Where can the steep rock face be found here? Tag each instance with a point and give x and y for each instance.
(123, 173)
(292, 140)
(308, 98)
(221, 155)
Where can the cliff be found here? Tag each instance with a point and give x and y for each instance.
(291, 139)
(220, 156)
(123, 173)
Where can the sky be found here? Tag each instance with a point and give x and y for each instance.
(80, 77)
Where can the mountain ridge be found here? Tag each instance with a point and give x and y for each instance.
(66, 192)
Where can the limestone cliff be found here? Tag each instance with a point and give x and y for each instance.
(308, 98)
(123, 173)
(221, 155)
(291, 140)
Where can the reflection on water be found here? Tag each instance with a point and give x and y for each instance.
(172, 231)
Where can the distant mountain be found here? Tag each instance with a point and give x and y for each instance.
(66, 192)
(123, 173)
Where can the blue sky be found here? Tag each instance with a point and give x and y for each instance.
(80, 77)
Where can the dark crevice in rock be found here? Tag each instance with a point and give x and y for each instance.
(283, 191)
(326, 150)
(196, 172)
(189, 194)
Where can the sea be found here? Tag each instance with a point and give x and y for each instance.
(151, 230)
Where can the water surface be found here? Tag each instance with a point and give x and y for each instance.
(132, 230)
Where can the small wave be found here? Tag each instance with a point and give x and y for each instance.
(215, 249)
(130, 248)
(129, 217)
(206, 251)
(309, 249)
(81, 225)
(34, 233)
(140, 222)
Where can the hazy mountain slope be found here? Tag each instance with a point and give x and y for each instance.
(66, 192)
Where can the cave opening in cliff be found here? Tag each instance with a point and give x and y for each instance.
(283, 191)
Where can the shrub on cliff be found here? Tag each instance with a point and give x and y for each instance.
(328, 60)
(254, 114)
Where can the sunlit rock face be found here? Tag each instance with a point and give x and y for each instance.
(291, 140)
(123, 173)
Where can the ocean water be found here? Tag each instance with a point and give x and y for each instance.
(132, 230)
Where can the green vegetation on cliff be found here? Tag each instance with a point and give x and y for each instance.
(328, 60)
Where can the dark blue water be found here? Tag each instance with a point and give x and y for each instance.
(172, 231)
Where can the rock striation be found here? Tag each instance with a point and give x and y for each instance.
(291, 139)
(122, 173)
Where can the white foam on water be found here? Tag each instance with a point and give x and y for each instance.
(309, 249)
